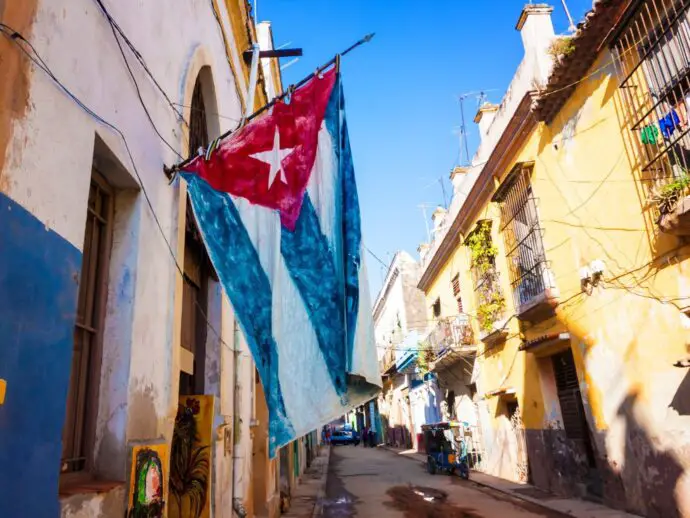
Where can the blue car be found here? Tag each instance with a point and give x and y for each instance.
(344, 437)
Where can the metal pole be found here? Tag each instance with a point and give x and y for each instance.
(251, 89)
(464, 129)
(258, 112)
(571, 28)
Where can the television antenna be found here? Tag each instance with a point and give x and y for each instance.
(425, 206)
(481, 98)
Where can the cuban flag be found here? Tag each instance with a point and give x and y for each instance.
(277, 207)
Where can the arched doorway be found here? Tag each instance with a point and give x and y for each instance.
(192, 463)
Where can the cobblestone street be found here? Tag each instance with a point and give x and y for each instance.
(375, 482)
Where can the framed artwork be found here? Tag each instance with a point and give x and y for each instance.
(148, 488)
(190, 458)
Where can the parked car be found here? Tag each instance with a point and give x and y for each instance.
(344, 437)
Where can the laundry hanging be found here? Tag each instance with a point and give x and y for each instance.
(278, 210)
(669, 123)
(649, 134)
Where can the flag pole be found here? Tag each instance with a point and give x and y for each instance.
(170, 171)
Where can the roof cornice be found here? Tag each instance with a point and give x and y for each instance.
(521, 122)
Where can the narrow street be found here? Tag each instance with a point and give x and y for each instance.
(367, 482)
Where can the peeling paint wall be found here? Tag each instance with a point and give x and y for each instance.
(110, 503)
(48, 146)
(15, 80)
(624, 339)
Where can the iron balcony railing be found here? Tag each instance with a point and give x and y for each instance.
(530, 276)
(652, 56)
(449, 335)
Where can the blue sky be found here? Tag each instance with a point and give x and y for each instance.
(401, 92)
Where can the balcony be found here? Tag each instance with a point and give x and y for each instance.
(534, 292)
(387, 363)
(651, 50)
(675, 219)
(448, 341)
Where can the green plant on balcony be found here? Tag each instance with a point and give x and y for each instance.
(667, 198)
(490, 300)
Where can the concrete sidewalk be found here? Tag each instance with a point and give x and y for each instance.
(566, 506)
(307, 499)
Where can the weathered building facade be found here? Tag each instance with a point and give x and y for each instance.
(112, 317)
(400, 324)
(459, 297)
(572, 243)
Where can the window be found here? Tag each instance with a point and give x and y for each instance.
(436, 308)
(194, 307)
(197, 271)
(653, 56)
(88, 330)
(529, 274)
(456, 292)
(198, 127)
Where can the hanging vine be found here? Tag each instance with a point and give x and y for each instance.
(491, 302)
(425, 356)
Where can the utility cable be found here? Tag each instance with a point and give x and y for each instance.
(37, 60)
(134, 80)
(140, 59)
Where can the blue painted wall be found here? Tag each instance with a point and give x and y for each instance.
(39, 275)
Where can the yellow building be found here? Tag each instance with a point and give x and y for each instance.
(571, 254)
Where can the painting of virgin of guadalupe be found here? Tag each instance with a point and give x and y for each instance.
(147, 482)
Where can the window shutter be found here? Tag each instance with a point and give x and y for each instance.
(456, 285)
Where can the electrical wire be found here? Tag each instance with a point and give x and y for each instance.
(115, 31)
(139, 58)
(376, 257)
(15, 37)
(207, 112)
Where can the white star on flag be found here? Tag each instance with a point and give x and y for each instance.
(274, 157)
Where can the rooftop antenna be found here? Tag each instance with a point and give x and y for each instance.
(481, 97)
(443, 189)
(463, 130)
(425, 206)
(571, 27)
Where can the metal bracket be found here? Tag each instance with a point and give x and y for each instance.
(248, 54)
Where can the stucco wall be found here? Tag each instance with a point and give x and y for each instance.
(625, 337)
(47, 147)
(39, 273)
(400, 302)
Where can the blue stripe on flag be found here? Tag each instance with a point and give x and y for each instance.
(349, 216)
(310, 262)
(238, 266)
(352, 244)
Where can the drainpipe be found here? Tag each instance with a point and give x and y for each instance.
(236, 503)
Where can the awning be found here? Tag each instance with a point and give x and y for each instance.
(683, 364)
(544, 341)
(500, 392)
(407, 351)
